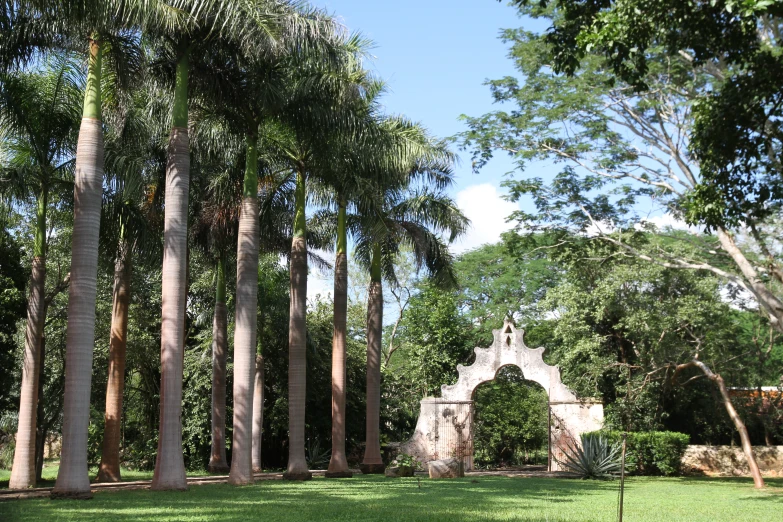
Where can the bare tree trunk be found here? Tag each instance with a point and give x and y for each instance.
(217, 460)
(373, 462)
(109, 470)
(258, 414)
(170, 463)
(747, 448)
(338, 464)
(72, 479)
(41, 429)
(23, 470)
(297, 338)
(246, 323)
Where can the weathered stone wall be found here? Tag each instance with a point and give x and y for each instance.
(437, 435)
(730, 460)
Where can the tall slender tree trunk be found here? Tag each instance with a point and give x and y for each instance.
(258, 414)
(297, 336)
(170, 464)
(23, 470)
(373, 463)
(41, 428)
(747, 448)
(109, 470)
(73, 479)
(338, 464)
(246, 320)
(217, 460)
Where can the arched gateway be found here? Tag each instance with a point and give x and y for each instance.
(445, 425)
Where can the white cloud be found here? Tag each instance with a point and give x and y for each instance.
(668, 221)
(487, 211)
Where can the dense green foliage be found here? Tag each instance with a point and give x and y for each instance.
(510, 421)
(12, 301)
(614, 153)
(651, 452)
(594, 457)
(736, 135)
(686, 121)
(615, 325)
(422, 500)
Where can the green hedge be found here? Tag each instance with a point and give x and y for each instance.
(651, 452)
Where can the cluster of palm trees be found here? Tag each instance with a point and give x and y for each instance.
(266, 106)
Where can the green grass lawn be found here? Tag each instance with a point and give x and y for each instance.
(50, 469)
(377, 498)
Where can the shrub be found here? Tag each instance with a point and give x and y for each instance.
(651, 452)
(405, 460)
(8, 426)
(595, 458)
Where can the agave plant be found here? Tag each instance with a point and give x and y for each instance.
(596, 458)
(316, 457)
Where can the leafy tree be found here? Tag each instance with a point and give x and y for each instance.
(38, 122)
(12, 308)
(495, 284)
(435, 337)
(623, 134)
(627, 328)
(736, 135)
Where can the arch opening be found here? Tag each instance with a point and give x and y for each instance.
(445, 428)
(510, 422)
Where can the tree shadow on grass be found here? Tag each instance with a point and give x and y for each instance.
(364, 499)
(487, 499)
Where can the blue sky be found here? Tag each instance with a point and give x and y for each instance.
(435, 56)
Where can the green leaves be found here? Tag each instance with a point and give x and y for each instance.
(595, 458)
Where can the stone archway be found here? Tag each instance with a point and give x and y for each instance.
(445, 425)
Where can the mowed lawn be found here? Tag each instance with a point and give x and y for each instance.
(382, 499)
(50, 469)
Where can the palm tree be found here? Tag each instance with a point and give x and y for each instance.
(278, 208)
(129, 218)
(255, 28)
(216, 233)
(258, 414)
(170, 465)
(315, 89)
(111, 28)
(378, 160)
(413, 218)
(38, 121)
(102, 21)
(338, 463)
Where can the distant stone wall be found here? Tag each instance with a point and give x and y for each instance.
(730, 460)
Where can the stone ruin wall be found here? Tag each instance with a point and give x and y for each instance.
(445, 425)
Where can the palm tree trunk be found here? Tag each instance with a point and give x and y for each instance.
(373, 463)
(170, 463)
(297, 336)
(41, 428)
(338, 464)
(109, 470)
(73, 479)
(23, 470)
(258, 414)
(217, 460)
(246, 320)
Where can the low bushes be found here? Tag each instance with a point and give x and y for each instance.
(651, 452)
